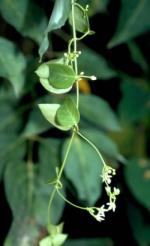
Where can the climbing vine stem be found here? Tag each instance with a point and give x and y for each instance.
(67, 116)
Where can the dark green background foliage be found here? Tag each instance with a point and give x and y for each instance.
(115, 115)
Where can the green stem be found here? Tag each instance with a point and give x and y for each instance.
(72, 204)
(75, 50)
(58, 178)
(93, 146)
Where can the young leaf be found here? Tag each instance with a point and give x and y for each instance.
(83, 168)
(51, 89)
(54, 240)
(25, 16)
(12, 64)
(49, 112)
(67, 114)
(134, 20)
(81, 21)
(58, 18)
(59, 76)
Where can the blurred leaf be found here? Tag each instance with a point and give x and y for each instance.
(81, 21)
(89, 242)
(134, 105)
(83, 169)
(103, 142)
(139, 226)
(36, 124)
(134, 19)
(98, 112)
(137, 55)
(92, 63)
(67, 114)
(49, 112)
(25, 16)
(12, 64)
(9, 127)
(137, 174)
(58, 18)
(29, 202)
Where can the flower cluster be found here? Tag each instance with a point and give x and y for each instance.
(107, 174)
(99, 213)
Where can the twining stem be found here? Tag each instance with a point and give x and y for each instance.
(59, 178)
(72, 204)
(75, 50)
(93, 146)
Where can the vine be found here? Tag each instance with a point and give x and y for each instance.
(59, 76)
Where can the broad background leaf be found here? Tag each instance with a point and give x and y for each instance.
(89, 242)
(30, 202)
(83, 168)
(58, 18)
(94, 64)
(134, 20)
(134, 105)
(12, 64)
(139, 185)
(98, 112)
(25, 16)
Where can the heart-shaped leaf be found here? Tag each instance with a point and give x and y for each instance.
(51, 89)
(59, 76)
(49, 112)
(67, 114)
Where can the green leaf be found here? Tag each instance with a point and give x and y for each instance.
(138, 56)
(54, 240)
(103, 142)
(94, 64)
(81, 20)
(49, 112)
(36, 124)
(58, 18)
(12, 64)
(25, 16)
(83, 168)
(98, 112)
(67, 114)
(59, 76)
(29, 202)
(139, 226)
(45, 83)
(134, 20)
(89, 242)
(139, 185)
(137, 109)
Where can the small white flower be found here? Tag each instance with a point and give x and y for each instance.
(101, 214)
(116, 191)
(93, 78)
(111, 206)
(108, 189)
